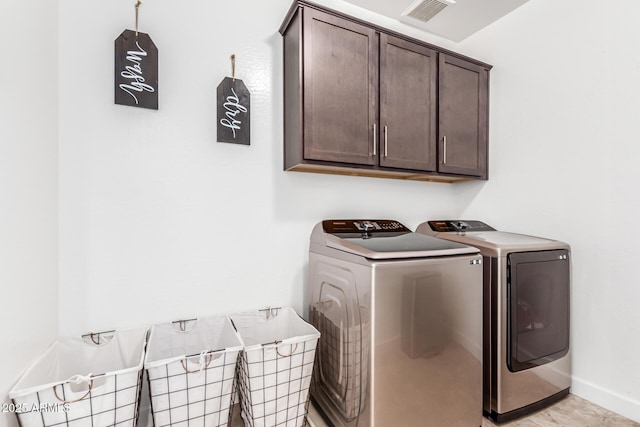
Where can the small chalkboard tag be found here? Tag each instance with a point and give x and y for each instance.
(234, 112)
(136, 70)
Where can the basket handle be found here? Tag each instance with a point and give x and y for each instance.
(293, 351)
(91, 335)
(99, 335)
(77, 379)
(202, 368)
(182, 323)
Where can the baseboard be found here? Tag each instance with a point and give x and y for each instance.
(623, 405)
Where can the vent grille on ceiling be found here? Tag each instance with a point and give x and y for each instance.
(424, 10)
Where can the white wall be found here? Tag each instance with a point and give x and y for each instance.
(564, 164)
(28, 187)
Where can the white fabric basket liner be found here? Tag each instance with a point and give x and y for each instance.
(167, 343)
(98, 384)
(276, 367)
(285, 327)
(191, 368)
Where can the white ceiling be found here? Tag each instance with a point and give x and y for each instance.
(456, 22)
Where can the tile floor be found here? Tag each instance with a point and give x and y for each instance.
(570, 412)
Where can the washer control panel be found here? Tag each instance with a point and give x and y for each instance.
(366, 226)
(459, 226)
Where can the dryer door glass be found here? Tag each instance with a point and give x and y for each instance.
(538, 308)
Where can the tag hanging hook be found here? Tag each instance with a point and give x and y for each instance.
(138, 3)
(233, 67)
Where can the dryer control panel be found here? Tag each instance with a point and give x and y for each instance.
(457, 225)
(345, 227)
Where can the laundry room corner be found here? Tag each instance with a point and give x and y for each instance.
(28, 188)
(551, 176)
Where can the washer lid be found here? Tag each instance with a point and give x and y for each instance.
(384, 239)
(504, 239)
(484, 237)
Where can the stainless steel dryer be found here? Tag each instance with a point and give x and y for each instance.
(527, 281)
(400, 317)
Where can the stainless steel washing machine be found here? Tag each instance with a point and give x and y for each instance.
(527, 282)
(400, 317)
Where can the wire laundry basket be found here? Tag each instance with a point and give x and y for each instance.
(61, 388)
(343, 359)
(191, 370)
(276, 367)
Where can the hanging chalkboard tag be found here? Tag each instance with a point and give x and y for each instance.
(234, 109)
(233, 112)
(136, 70)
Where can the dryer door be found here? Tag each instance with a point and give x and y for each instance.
(538, 308)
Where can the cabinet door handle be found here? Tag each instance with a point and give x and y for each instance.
(444, 145)
(374, 140)
(385, 141)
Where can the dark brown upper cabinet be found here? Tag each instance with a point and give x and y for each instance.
(463, 117)
(340, 86)
(363, 100)
(408, 77)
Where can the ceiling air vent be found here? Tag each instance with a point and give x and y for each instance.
(424, 10)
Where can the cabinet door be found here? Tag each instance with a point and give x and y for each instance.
(340, 89)
(463, 117)
(408, 75)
